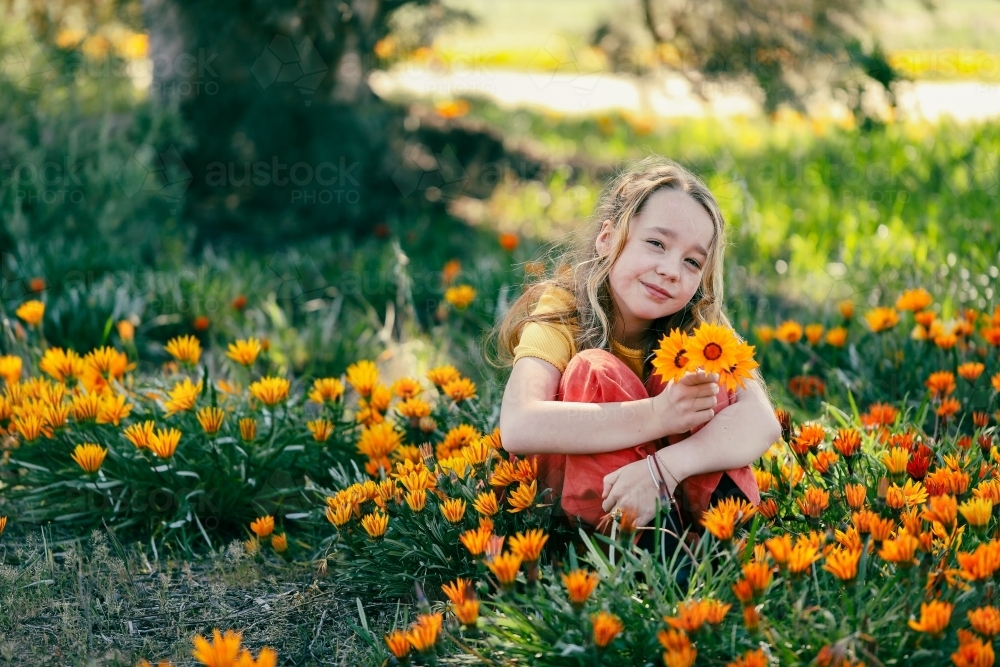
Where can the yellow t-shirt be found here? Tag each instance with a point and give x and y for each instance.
(555, 343)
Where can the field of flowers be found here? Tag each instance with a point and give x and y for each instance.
(875, 542)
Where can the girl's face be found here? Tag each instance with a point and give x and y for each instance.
(661, 265)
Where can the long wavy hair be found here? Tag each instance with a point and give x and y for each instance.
(580, 270)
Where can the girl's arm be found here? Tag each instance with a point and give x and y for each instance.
(737, 436)
(532, 421)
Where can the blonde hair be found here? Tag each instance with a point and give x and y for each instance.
(582, 271)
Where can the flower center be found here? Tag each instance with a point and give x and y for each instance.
(680, 361)
(713, 351)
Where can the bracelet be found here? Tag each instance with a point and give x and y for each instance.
(657, 459)
(656, 482)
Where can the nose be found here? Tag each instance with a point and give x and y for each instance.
(670, 269)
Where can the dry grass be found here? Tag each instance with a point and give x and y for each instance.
(94, 602)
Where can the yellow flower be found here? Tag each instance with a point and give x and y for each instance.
(940, 383)
(262, 526)
(31, 312)
(934, 618)
(882, 319)
(326, 390)
(248, 429)
(843, 563)
(971, 370)
(523, 497)
(363, 375)
(379, 440)
(977, 511)
(185, 349)
(789, 331)
(321, 429)
(505, 567)
(339, 514)
(606, 628)
(61, 365)
(375, 524)
(85, 406)
(10, 368)
(670, 361)
(279, 542)
(896, 459)
(112, 409)
(765, 334)
(900, 550)
(712, 347)
(140, 435)
(221, 652)
(89, 456)
(460, 390)
(416, 500)
(270, 390)
(164, 442)
(442, 375)
(453, 509)
(126, 330)
(413, 408)
(182, 397)
(846, 308)
(460, 296)
(423, 634)
(813, 333)
(486, 503)
(244, 352)
(211, 419)
(837, 337)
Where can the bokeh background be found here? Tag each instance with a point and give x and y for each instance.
(307, 172)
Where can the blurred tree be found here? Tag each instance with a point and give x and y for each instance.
(784, 49)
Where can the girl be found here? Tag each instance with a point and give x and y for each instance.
(582, 397)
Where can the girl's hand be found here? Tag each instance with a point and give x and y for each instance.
(631, 487)
(685, 403)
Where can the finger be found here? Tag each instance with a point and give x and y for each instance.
(609, 482)
(609, 503)
(705, 403)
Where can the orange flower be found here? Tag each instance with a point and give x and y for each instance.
(971, 370)
(467, 612)
(263, 526)
(948, 408)
(279, 542)
(847, 442)
(453, 509)
(185, 349)
(505, 567)
(89, 456)
(460, 296)
(460, 390)
(836, 337)
(758, 575)
(476, 540)
(977, 511)
(442, 375)
(211, 419)
(941, 383)
(220, 652)
(901, 550)
(450, 270)
(846, 308)
(843, 563)
(789, 331)
(914, 300)
(753, 658)
(164, 442)
(423, 634)
(523, 497)
(529, 545)
(712, 347)
(270, 390)
(985, 621)
(972, 651)
(416, 500)
(326, 390)
(458, 591)
(248, 429)
(375, 524)
(981, 563)
(579, 585)
(606, 628)
(942, 509)
(670, 360)
(802, 557)
(509, 242)
(855, 494)
(815, 502)
(934, 618)
(31, 312)
(808, 438)
(882, 319)
(398, 644)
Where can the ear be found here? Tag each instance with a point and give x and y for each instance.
(603, 242)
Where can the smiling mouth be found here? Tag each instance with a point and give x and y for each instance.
(657, 290)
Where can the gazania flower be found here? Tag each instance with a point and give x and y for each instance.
(141, 434)
(942, 509)
(248, 429)
(10, 368)
(339, 514)
(985, 621)
(914, 300)
(895, 460)
(670, 361)
(941, 383)
(416, 500)
(691, 615)
(846, 308)
(815, 502)
(712, 347)
(460, 390)
(505, 568)
(211, 419)
(678, 650)
(467, 612)
(523, 497)
(244, 352)
(752, 658)
(398, 644)
(86, 406)
(270, 390)
(882, 319)
(185, 349)
(813, 333)
(477, 453)
(579, 585)
(948, 408)
(326, 390)
(529, 545)
(855, 495)
(934, 618)
(375, 524)
(733, 377)
(363, 376)
(423, 634)
(262, 526)
(901, 550)
(879, 414)
(981, 563)
(222, 651)
(414, 408)
(508, 241)
(3, 524)
(843, 563)
(379, 440)
(458, 590)
(321, 429)
(460, 296)
(164, 442)
(977, 511)
(31, 312)
(475, 540)
(765, 334)
(971, 370)
(112, 409)
(789, 331)
(836, 337)
(279, 542)
(453, 509)
(801, 558)
(606, 627)
(758, 576)
(89, 456)
(808, 438)
(973, 651)
(442, 375)
(486, 503)
(182, 397)
(824, 462)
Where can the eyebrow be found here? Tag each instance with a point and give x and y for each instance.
(669, 233)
